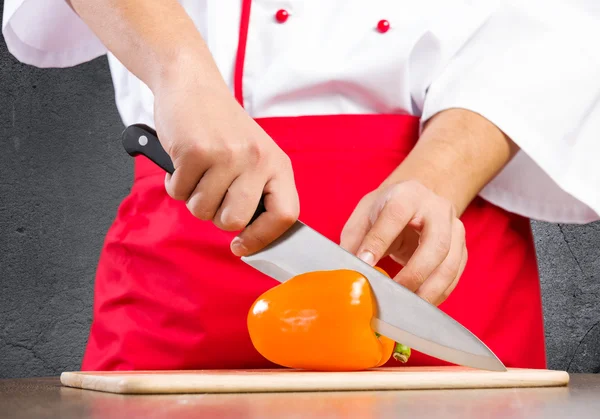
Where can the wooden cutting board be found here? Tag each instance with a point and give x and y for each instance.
(285, 380)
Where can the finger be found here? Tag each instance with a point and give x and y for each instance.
(463, 264)
(434, 245)
(206, 198)
(452, 286)
(389, 224)
(240, 202)
(445, 275)
(356, 227)
(282, 209)
(402, 251)
(190, 165)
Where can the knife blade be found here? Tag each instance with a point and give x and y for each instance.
(401, 315)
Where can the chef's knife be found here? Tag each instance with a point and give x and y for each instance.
(401, 315)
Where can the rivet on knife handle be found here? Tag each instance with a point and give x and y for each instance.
(140, 139)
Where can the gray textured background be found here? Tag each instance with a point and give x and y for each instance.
(62, 176)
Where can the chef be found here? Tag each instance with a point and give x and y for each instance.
(422, 136)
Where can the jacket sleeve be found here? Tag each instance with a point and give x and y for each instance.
(533, 69)
(48, 33)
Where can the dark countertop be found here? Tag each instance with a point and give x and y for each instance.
(45, 397)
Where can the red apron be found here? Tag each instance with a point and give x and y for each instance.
(170, 295)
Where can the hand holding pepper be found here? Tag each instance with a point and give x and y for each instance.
(417, 229)
(414, 215)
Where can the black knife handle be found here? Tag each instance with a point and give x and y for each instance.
(140, 139)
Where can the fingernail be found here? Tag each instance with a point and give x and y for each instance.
(237, 247)
(367, 257)
(225, 218)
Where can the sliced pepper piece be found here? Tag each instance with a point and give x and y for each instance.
(319, 321)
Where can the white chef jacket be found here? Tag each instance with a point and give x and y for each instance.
(531, 67)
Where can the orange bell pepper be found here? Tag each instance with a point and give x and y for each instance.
(321, 321)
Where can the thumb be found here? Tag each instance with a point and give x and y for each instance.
(356, 227)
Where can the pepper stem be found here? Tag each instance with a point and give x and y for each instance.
(401, 353)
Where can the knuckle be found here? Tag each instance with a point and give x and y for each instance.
(254, 152)
(177, 150)
(396, 210)
(395, 192)
(374, 195)
(196, 150)
(259, 237)
(227, 154)
(199, 209)
(240, 194)
(448, 271)
(233, 222)
(375, 243)
(281, 166)
(416, 277)
(287, 216)
(176, 191)
(442, 245)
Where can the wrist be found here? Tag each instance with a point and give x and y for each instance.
(458, 153)
(183, 66)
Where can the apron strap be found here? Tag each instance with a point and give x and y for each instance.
(241, 51)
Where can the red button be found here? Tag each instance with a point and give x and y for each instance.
(383, 26)
(281, 15)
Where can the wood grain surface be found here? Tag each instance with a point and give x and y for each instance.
(286, 380)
